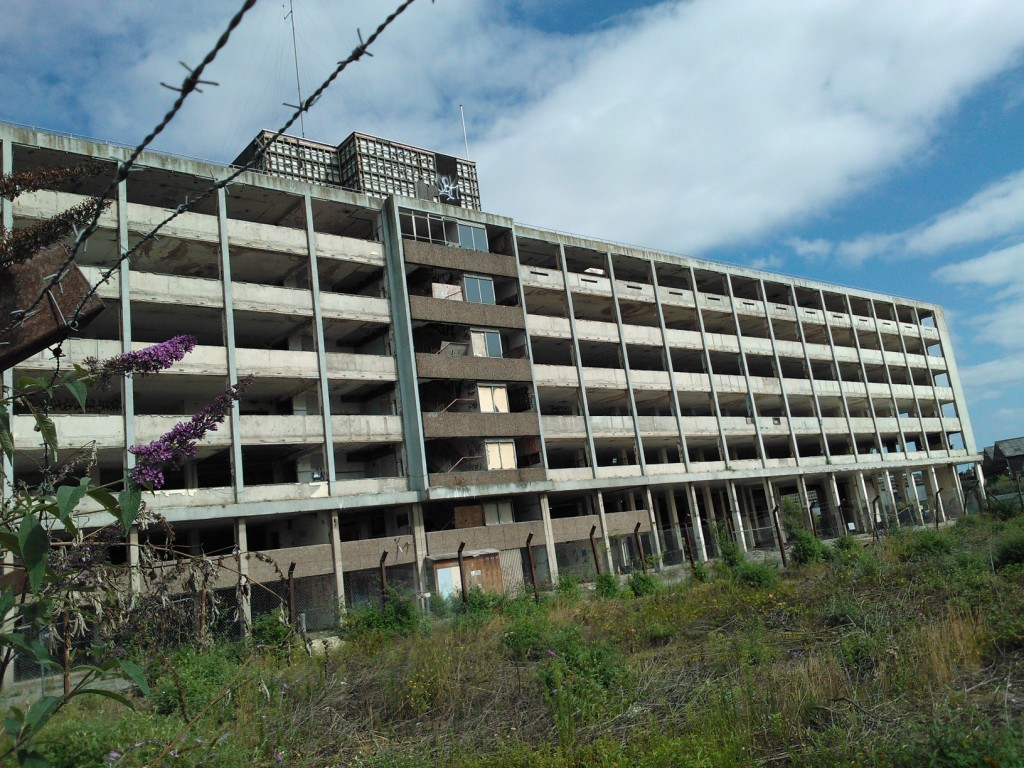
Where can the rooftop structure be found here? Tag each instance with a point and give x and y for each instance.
(364, 163)
(430, 378)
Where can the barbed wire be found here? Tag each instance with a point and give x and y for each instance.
(261, 149)
(189, 85)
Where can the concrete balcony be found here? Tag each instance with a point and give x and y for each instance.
(266, 237)
(507, 536)
(434, 310)
(700, 426)
(656, 381)
(449, 424)
(473, 368)
(680, 339)
(537, 277)
(564, 428)
(109, 290)
(642, 335)
(366, 429)
(589, 284)
(576, 528)
(349, 249)
(460, 259)
(312, 560)
(44, 204)
(737, 425)
(621, 523)
(276, 363)
(365, 554)
(350, 367)
(504, 477)
(547, 327)
(594, 330)
(271, 299)
(570, 474)
(612, 426)
(657, 426)
(367, 309)
(623, 470)
(73, 431)
(556, 376)
(675, 296)
(171, 289)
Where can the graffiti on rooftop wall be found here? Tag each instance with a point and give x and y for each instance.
(447, 189)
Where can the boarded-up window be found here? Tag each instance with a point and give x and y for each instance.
(501, 454)
(493, 398)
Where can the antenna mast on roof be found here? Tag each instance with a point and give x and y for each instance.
(295, 53)
(465, 136)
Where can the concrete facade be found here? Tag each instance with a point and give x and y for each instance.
(419, 365)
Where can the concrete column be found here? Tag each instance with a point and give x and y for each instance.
(773, 501)
(864, 378)
(134, 572)
(655, 533)
(127, 383)
(549, 538)
(336, 564)
(667, 352)
(724, 445)
(419, 543)
(836, 504)
(931, 485)
(571, 315)
(888, 378)
(778, 372)
(529, 352)
(814, 385)
(867, 510)
(242, 544)
(911, 486)
(892, 496)
(698, 532)
(910, 373)
(751, 400)
(238, 482)
(709, 505)
(7, 376)
(604, 533)
(671, 517)
(321, 356)
(737, 518)
(624, 352)
(978, 474)
(805, 502)
(931, 381)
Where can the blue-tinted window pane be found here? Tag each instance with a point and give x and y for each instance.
(493, 344)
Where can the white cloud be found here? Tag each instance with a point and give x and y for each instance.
(996, 211)
(998, 269)
(810, 249)
(685, 126)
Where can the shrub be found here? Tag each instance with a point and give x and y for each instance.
(700, 573)
(190, 680)
(1010, 551)
(641, 584)
(806, 548)
(756, 574)
(569, 588)
(924, 544)
(398, 616)
(607, 585)
(732, 555)
(272, 632)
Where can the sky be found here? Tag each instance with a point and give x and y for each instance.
(868, 143)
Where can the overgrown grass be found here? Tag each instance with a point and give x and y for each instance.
(906, 652)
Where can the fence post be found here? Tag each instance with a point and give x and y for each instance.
(291, 595)
(688, 546)
(533, 569)
(639, 546)
(593, 548)
(383, 579)
(778, 536)
(67, 656)
(462, 574)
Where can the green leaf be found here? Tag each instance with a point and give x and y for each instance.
(104, 497)
(129, 501)
(35, 548)
(29, 758)
(68, 497)
(41, 710)
(6, 438)
(136, 675)
(120, 699)
(7, 601)
(12, 724)
(79, 390)
(29, 385)
(45, 427)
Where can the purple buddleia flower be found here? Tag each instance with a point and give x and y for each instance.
(172, 449)
(158, 357)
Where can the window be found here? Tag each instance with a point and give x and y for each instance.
(493, 398)
(474, 238)
(501, 454)
(479, 290)
(485, 343)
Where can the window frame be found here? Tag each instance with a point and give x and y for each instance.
(492, 388)
(478, 281)
(504, 446)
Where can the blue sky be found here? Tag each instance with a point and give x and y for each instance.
(869, 143)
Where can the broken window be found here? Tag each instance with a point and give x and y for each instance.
(485, 343)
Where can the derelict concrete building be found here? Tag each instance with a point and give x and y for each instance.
(430, 375)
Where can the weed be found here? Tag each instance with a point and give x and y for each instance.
(607, 586)
(641, 584)
(806, 548)
(1009, 551)
(759, 575)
